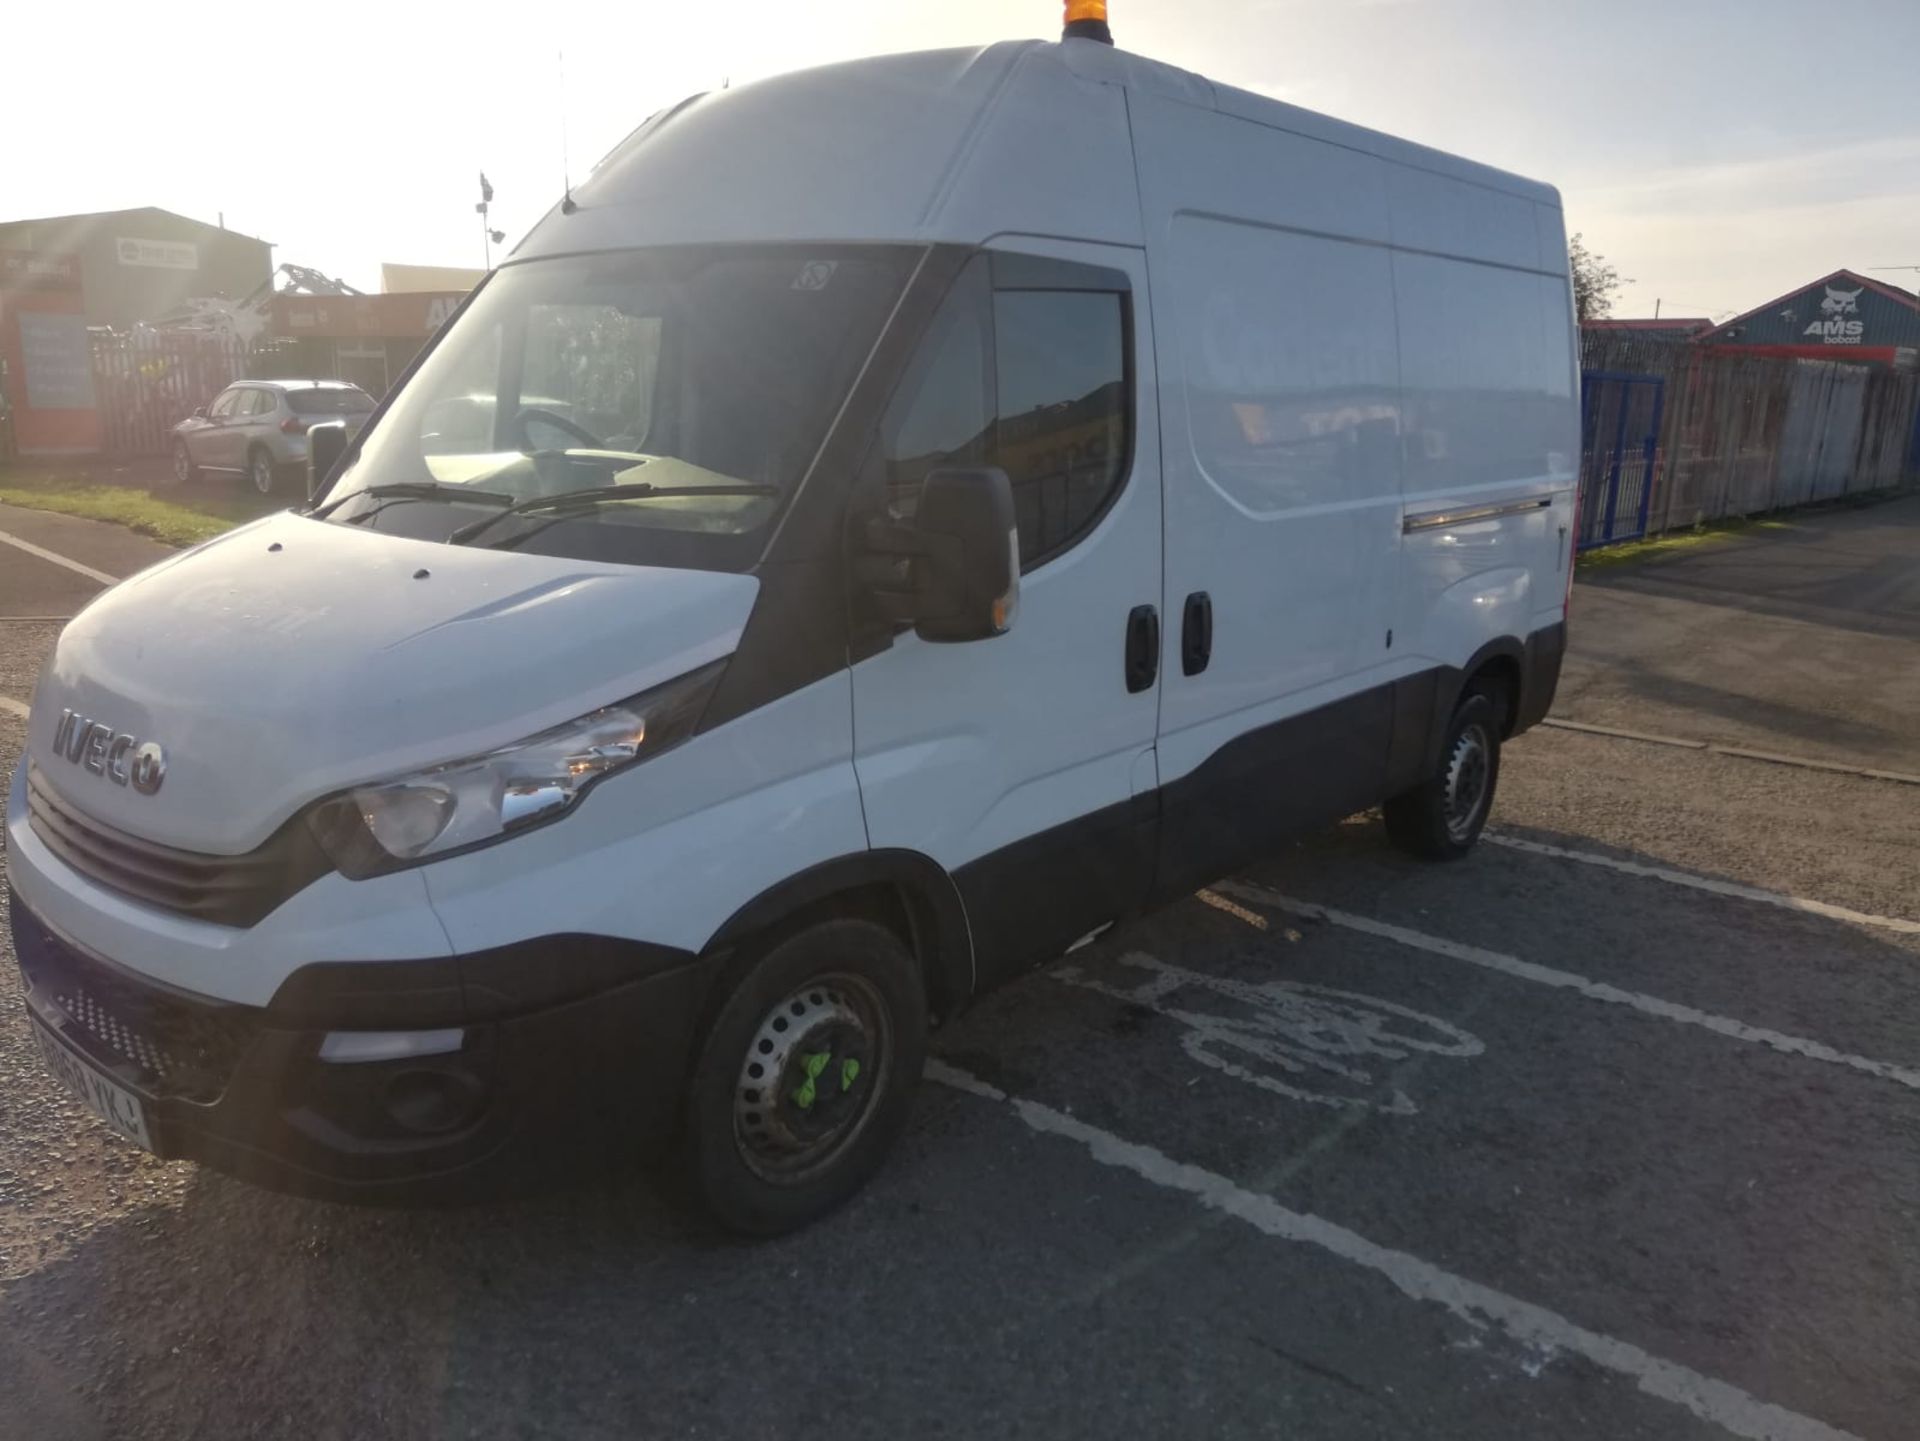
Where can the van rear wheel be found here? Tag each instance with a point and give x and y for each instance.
(1441, 818)
(806, 1077)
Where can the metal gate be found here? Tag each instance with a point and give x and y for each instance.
(1620, 418)
(148, 381)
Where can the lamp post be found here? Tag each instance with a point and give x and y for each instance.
(488, 237)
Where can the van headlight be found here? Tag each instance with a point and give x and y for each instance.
(405, 821)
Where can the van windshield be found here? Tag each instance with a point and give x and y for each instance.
(700, 380)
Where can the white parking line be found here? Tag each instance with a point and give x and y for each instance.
(1703, 883)
(57, 559)
(1581, 985)
(1476, 1305)
(13, 707)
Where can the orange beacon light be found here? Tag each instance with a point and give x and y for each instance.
(1087, 20)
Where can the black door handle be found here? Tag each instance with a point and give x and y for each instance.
(1196, 633)
(1143, 648)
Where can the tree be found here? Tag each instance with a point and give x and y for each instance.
(1594, 281)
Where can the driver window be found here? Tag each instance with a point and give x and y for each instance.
(222, 405)
(1024, 368)
(941, 415)
(593, 366)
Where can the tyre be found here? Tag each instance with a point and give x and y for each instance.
(806, 1077)
(1441, 818)
(261, 471)
(184, 470)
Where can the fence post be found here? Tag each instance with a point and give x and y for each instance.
(1652, 450)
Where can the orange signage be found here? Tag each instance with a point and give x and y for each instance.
(349, 317)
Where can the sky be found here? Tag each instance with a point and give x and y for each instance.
(1719, 152)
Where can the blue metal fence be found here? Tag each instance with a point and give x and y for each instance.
(1620, 417)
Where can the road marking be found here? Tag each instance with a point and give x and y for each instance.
(1703, 883)
(1477, 1306)
(1774, 759)
(1737, 752)
(1555, 723)
(57, 559)
(1581, 985)
(1311, 1033)
(13, 707)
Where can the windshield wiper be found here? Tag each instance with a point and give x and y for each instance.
(412, 490)
(596, 495)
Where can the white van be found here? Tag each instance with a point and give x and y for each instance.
(888, 524)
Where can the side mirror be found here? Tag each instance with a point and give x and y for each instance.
(326, 443)
(962, 558)
(199, 412)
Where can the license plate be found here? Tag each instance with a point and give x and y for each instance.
(112, 1103)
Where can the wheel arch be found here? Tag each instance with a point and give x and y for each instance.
(907, 891)
(1502, 662)
(1504, 659)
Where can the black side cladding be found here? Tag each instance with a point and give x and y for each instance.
(1273, 784)
(1540, 675)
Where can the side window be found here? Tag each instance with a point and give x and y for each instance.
(254, 402)
(941, 415)
(1063, 408)
(1034, 381)
(222, 406)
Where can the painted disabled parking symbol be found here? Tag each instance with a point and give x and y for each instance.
(1308, 1043)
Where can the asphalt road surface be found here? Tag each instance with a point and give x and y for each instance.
(1612, 1130)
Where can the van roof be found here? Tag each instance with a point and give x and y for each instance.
(956, 145)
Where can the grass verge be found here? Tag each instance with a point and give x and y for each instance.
(1675, 542)
(183, 520)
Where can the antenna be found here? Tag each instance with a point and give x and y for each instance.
(567, 207)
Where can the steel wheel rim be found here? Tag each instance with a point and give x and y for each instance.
(262, 470)
(1469, 778)
(182, 462)
(810, 1081)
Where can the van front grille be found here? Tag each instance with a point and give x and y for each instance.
(227, 890)
(168, 1043)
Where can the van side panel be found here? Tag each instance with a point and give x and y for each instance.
(1280, 419)
(1359, 337)
(1273, 295)
(1490, 429)
(1283, 498)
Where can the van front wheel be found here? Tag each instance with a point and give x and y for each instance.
(1441, 818)
(805, 1080)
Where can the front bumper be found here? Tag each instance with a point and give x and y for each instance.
(571, 1060)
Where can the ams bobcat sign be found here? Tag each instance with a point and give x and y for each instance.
(1835, 327)
(1844, 311)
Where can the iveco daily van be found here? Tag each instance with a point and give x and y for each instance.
(888, 523)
